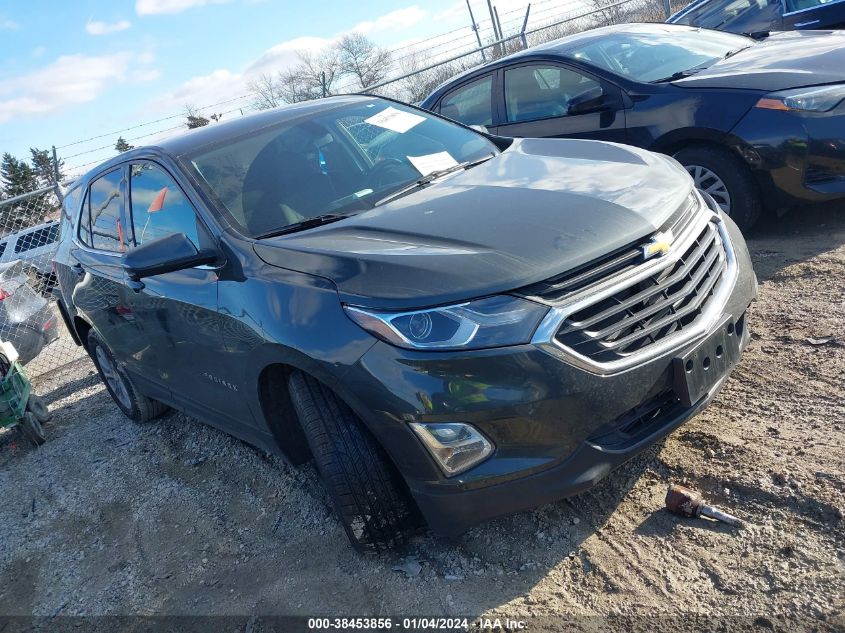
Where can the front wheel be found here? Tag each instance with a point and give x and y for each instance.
(727, 179)
(367, 491)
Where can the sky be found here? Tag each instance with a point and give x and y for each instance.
(74, 70)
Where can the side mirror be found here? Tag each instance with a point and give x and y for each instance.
(590, 100)
(164, 255)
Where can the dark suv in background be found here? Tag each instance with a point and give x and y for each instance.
(454, 326)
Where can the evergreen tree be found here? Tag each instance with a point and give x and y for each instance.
(42, 164)
(122, 146)
(17, 176)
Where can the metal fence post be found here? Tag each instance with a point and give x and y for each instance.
(58, 189)
(475, 29)
(524, 26)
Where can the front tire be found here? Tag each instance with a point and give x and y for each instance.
(727, 179)
(367, 491)
(135, 406)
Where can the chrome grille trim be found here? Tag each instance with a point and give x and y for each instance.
(563, 286)
(545, 336)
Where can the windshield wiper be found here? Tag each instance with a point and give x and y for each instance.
(431, 177)
(307, 223)
(679, 75)
(735, 51)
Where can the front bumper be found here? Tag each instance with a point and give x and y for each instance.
(547, 417)
(796, 158)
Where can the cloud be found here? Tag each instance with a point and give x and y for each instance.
(104, 28)
(8, 25)
(38, 52)
(393, 21)
(140, 76)
(160, 7)
(68, 81)
(224, 84)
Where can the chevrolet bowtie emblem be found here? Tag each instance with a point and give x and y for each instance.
(659, 245)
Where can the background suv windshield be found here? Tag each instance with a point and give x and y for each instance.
(654, 55)
(338, 161)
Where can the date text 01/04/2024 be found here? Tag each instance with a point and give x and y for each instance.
(417, 624)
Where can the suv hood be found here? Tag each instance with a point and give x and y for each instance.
(782, 61)
(538, 209)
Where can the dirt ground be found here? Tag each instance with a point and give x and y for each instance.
(174, 517)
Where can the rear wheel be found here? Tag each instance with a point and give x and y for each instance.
(726, 178)
(367, 491)
(133, 403)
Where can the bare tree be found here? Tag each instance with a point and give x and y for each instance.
(313, 76)
(362, 60)
(418, 86)
(267, 92)
(609, 12)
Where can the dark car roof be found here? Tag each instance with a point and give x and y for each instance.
(197, 138)
(560, 47)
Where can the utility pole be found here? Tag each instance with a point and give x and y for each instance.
(323, 83)
(477, 34)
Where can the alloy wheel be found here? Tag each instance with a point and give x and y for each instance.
(113, 379)
(706, 180)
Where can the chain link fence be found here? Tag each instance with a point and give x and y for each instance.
(29, 316)
(422, 74)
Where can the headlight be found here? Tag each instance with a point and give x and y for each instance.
(816, 99)
(491, 322)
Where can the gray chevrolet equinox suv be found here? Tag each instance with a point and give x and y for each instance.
(453, 326)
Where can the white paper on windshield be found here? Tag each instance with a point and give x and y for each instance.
(432, 162)
(396, 120)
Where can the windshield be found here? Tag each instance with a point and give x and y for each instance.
(338, 161)
(657, 55)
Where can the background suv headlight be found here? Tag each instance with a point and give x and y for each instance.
(491, 322)
(814, 99)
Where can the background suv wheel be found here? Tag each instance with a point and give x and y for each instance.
(368, 493)
(133, 403)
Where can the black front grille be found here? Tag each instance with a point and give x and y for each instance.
(614, 263)
(644, 312)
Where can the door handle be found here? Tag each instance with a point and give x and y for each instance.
(802, 24)
(78, 269)
(136, 285)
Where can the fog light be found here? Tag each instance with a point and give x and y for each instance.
(455, 446)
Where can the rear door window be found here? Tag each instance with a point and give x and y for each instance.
(471, 104)
(159, 208)
(106, 208)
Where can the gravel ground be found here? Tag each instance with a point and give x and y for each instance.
(176, 518)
